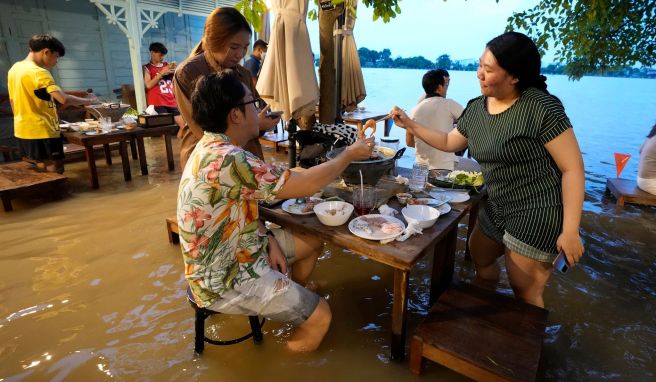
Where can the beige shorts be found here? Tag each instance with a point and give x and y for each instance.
(273, 295)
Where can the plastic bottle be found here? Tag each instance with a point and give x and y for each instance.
(419, 174)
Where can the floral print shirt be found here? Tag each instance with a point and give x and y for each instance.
(218, 216)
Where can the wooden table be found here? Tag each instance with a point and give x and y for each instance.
(358, 118)
(122, 137)
(88, 141)
(438, 241)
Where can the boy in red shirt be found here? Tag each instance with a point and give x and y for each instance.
(158, 78)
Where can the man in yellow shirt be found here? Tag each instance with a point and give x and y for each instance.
(31, 93)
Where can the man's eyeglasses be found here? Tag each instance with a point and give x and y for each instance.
(258, 102)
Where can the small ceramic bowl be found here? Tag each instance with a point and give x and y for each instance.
(424, 216)
(403, 197)
(333, 213)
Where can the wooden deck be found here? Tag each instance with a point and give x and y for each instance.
(20, 179)
(627, 191)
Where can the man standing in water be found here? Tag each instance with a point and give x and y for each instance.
(31, 93)
(232, 263)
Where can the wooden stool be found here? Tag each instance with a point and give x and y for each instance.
(172, 230)
(481, 334)
(20, 178)
(627, 191)
(202, 314)
(273, 139)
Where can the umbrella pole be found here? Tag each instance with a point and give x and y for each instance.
(291, 130)
(338, 67)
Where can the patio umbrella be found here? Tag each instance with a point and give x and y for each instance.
(353, 90)
(287, 80)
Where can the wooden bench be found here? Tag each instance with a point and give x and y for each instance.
(627, 191)
(172, 230)
(20, 179)
(482, 335)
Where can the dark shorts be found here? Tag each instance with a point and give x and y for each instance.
(531, 233)
(42, 149)
(167, 109)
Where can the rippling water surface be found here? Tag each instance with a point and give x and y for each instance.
(90, 289)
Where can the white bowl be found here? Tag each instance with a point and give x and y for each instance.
(421, 215)
(333, 213)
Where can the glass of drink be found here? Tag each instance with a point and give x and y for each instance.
(105, 124)
(364, 199)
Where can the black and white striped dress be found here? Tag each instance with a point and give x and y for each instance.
(525, 208)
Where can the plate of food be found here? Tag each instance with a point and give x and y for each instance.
(459, 196)
(444, 209)
(456, 179)
(436, 201)
(301, 206)
(376, 227)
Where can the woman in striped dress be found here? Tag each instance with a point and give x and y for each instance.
(531, 163)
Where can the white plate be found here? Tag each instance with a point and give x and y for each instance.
(376, 233)
(444, 209)
(433, 202)
(455, 196)
(90, 133)
(290, 206)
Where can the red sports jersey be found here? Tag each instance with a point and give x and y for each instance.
(162, 93)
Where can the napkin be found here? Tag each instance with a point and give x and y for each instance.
(410, 230)
(402, 180)
(387, 210)
(150, 110)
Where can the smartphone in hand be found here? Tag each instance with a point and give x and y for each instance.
(560, 263)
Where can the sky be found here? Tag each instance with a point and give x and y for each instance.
(431, 28)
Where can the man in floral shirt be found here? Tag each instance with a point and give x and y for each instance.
(232, 264)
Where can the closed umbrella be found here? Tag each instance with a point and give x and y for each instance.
(287, 80)
(353, 90)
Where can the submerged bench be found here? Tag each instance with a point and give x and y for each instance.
(481, 334)
(627, 191)
(21, 178)
(172, 230)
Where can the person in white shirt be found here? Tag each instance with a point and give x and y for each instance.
(437, 112)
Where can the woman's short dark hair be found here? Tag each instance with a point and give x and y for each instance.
(432, 79)
(39, 42)
(517, 54)
(158, 47)
(214, 95)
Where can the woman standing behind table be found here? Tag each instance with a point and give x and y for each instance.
(226, 38)
(531, 163)
(647, 167)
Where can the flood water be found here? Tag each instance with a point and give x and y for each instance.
(91, 290)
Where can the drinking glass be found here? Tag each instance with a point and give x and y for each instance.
(364, 199)
(105, 124)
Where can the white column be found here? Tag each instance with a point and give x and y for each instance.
(134, 45)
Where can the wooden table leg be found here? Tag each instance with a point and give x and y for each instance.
(142, 156)
(169, 151)
(6, 201)
(108, 154)
(91, 164)
(443, 263)
(399, 314)
(133, 148)
(473, 216)
(125, 160)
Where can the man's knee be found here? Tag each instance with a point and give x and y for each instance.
(322, 314)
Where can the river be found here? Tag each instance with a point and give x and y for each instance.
(90, 289)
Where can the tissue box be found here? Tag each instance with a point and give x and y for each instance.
(155, 120)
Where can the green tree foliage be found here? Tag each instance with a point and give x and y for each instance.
(444, 62)
(595, 36)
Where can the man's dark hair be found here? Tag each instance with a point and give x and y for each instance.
(260, 43)
(158, 47)
(214, 95)
(432, 79)
(45, 41)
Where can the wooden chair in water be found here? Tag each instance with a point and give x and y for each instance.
(481, 334)
(627, 191)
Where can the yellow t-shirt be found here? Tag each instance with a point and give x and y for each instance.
(35, 115)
